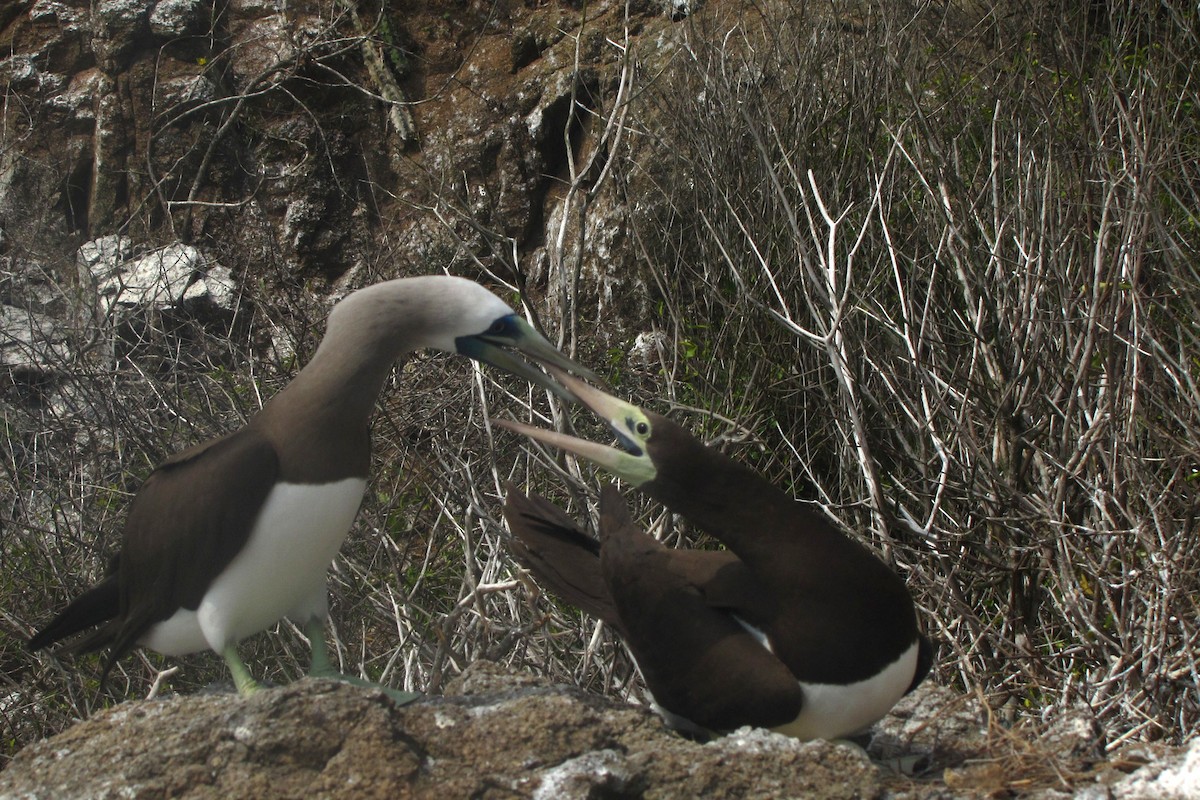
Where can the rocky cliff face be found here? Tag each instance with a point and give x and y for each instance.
(290, 145)
(300, 132)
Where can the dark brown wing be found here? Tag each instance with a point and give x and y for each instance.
(698, 661)
(188, 521)
(192, 516)
(564, 559)
(98, 604)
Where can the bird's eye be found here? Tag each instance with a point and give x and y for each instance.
(498, 327)
(642, 428)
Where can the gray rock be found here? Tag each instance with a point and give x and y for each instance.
(116, 26)
(497, 733)
(27, 338)
(1175, 777)
(1075, 732)
(680, 9)
(67, 17)
(77, 102)
(165, 278)
(263, 39)
(648, 348)
(597, 774)
(932, 721)
(102, 255)
(175, 18)
(158, 279)
(182, 91)
(21, 71)
(214, 287)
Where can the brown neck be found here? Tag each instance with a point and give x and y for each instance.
(725, 498)
(320, 422)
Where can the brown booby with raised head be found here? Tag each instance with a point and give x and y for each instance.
(796, 627)
(228, 537)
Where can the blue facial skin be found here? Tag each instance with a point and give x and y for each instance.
(510, 331)
(628, 443)
(502, 332)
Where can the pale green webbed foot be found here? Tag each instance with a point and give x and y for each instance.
(398, 696)
(322, 667)
(245, 683)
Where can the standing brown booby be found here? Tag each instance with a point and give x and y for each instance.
(227, 537)
(795, 627)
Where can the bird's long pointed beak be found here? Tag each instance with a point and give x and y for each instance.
(524, 339)
(631, 464)
(595, 452)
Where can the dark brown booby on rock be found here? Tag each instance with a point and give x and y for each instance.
(796, 627)
(226, 538)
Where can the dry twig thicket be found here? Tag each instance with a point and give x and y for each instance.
(948, 276)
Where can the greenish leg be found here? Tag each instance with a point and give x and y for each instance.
(246, 685)
(321, 667)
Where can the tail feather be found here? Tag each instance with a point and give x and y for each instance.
(99, 604)
(563, 558)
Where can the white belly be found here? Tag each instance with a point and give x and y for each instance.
(279, 573)
(831, 711)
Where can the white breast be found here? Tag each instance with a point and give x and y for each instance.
(279, 573)
(831, 711)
